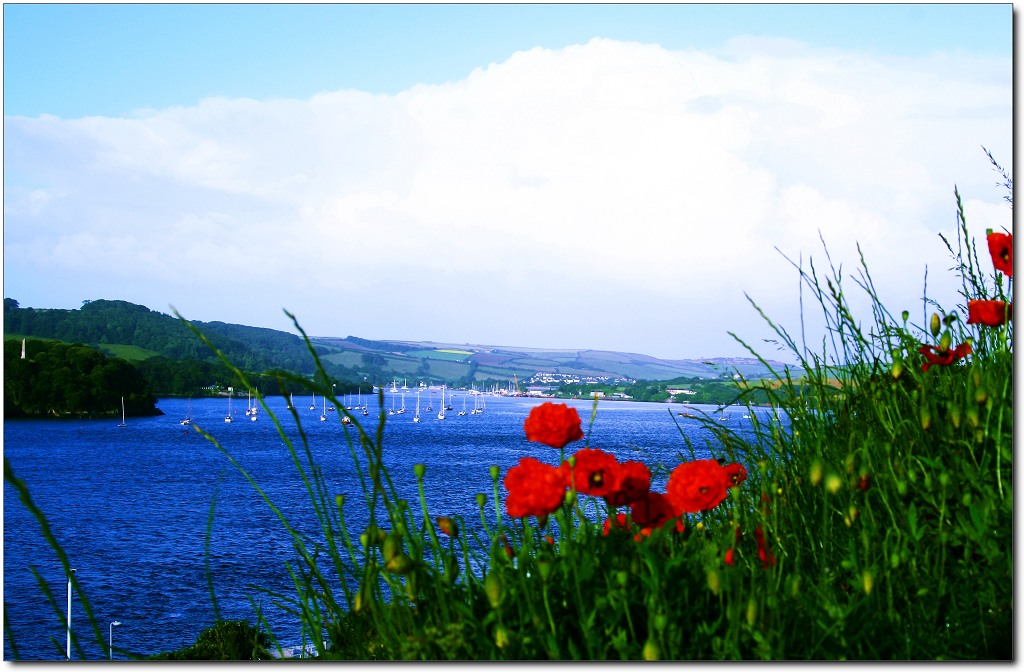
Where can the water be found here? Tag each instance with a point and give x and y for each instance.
(130, 504)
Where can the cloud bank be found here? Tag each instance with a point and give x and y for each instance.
(609, 195)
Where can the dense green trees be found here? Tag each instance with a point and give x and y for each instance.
(70, 380)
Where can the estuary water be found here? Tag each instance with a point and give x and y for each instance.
(130, 505)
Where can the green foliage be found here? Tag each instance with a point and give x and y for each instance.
(225, 640)
(70, 380)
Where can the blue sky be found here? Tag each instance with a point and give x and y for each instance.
(80, 60)
(613, 177)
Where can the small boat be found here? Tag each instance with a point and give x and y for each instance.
(312, 403)
(440, 414)
(463, 411)
(323, 416)
(124, 422)
(188, 416)
(402, 409)
(228, 418)
(416, 418)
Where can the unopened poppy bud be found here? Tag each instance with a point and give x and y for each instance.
(495, 472)
(651, 651)
(980, 396)
(451, 568)
(817, 472)
(864, 482)
(897, 370)
(622, 578)
(833, 483)
(936, 324)
(392, 546)
(419, 469)
(492, 586)
(869, 581)
(339, 500)
(972, 417)
(906, 316)
(660, 621)
(481, 499)
(400, 564)
(751, 612)
(945, 342)
(955, 416)
(501, 636)
(926, 418)
(714, 581)
(448, 526)
(544, 568)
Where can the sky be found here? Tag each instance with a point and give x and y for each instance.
(616, 177)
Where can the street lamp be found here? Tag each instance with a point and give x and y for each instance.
(111, 639)
(69, 614)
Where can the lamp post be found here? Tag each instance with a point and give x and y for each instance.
(111, 639)
(69, 614)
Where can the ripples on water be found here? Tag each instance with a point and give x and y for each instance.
(129, 505)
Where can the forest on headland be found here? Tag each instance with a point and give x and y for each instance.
(80, 362)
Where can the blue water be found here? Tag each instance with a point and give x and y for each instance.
(129, 504)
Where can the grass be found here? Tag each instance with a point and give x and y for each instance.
(876, 525)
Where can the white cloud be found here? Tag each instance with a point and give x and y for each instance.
(561, 198)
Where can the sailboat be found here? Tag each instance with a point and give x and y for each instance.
(228, 418)
(463, 411)
(291, 402)
(188, 416)
(416, 418)
(312, 403)
(440, 414)
(248, 403)
(402, 409)
(323, 416)
(392, 410)
(123, 422)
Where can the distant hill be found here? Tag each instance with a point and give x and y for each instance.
(464, 360)
(139, 334)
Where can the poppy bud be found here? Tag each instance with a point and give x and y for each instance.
(751, 612)
(833, 483)
(451, 568)
(400, 564)
(501, 636)
(980, 396)
(660, 621)
(481, 499)
(340, 501)
(448, 526)
(392, 546)
(897, 370)
(865, 482)
(816, 473)
(495, 472)
(945, 342)
(544, 567)
(869, 581)
(714, 581)
(906, 316)
(936, 324)
(651, 651)
(420, 470)
(492, 586)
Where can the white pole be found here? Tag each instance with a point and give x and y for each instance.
(69, 615)
(111, 639)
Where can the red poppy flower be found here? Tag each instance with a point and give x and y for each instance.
(697, 486)
(595, 473)
(534, 488)
(729, 559)
(633, 481)
(988, 313)
(1000, 246)
(654, 511)
(553, 424)
(939, 358)
(619, 522)
(735, 474)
